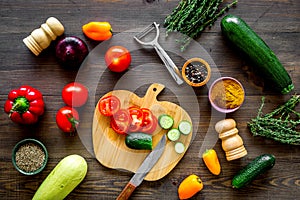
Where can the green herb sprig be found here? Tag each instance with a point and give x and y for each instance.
(282, 124)
(191, 17)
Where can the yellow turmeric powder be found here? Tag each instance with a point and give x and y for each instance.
(227, 94)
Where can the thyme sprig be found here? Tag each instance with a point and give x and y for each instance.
(191, 17)
(282, 124)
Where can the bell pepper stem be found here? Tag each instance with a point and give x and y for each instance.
(20, 105)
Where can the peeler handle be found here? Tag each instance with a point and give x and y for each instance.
(170, 65)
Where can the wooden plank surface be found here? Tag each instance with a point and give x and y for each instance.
(276, 21)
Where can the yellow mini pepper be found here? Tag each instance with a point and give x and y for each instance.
(211, 161)
(189, 186)
(98, 31)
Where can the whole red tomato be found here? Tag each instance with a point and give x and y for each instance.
(75, 94)
(67, 119)
(117, 58)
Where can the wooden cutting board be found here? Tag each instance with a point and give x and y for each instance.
(110, 149)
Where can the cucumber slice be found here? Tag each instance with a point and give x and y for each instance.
(185, 127)
(179, 147)
(173, 134)
(165, 121)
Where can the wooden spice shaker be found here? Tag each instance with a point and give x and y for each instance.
(232, 143)
(40, 38)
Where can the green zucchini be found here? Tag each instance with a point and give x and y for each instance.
(258, 166)
(66, 175)
(141, 141)
(248, 42)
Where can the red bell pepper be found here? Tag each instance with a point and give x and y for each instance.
(24, 105)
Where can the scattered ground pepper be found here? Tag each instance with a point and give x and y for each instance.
(30, 157)
(227, 94)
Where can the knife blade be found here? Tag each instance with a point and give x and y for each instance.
(143, 170)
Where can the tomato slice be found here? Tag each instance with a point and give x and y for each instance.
(149, 122)
(109, 105)
(120, 121)
(136, 118)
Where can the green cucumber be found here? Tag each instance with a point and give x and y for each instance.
(66, 175)
(165, 121)
(247, 41)
(179, 147)
(258, 166)
(141, 141)
(185, 127)
(173, 134)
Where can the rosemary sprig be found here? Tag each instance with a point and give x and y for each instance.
(280, 125)
(191, 17)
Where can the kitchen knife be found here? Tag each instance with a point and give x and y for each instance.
(143, 170)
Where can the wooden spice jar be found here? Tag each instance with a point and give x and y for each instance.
(40, 38)
(232, 143)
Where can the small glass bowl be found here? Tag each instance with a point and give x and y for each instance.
(38, 144)
(203, 64)
(222, 91)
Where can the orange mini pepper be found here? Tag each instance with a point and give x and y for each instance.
(211, 161)
(98, 31)
(189, 186)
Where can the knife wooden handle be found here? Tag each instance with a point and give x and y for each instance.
(127, 191)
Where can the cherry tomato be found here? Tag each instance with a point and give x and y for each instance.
(149, 121)
(120, 121)
(75, 94)
(136, 117)
(117, 58)
(109, 105)
(67, 119)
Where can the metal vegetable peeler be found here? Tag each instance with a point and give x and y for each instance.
(173, 70)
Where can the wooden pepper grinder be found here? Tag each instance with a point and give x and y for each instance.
(232, 143)
(41, 38)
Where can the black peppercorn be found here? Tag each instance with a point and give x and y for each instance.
(196, 72)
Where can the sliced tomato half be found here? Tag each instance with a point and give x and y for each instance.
(109, 105)
(136, 117)
(149, 122)
(120, 121)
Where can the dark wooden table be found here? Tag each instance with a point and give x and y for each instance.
(277, 22)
